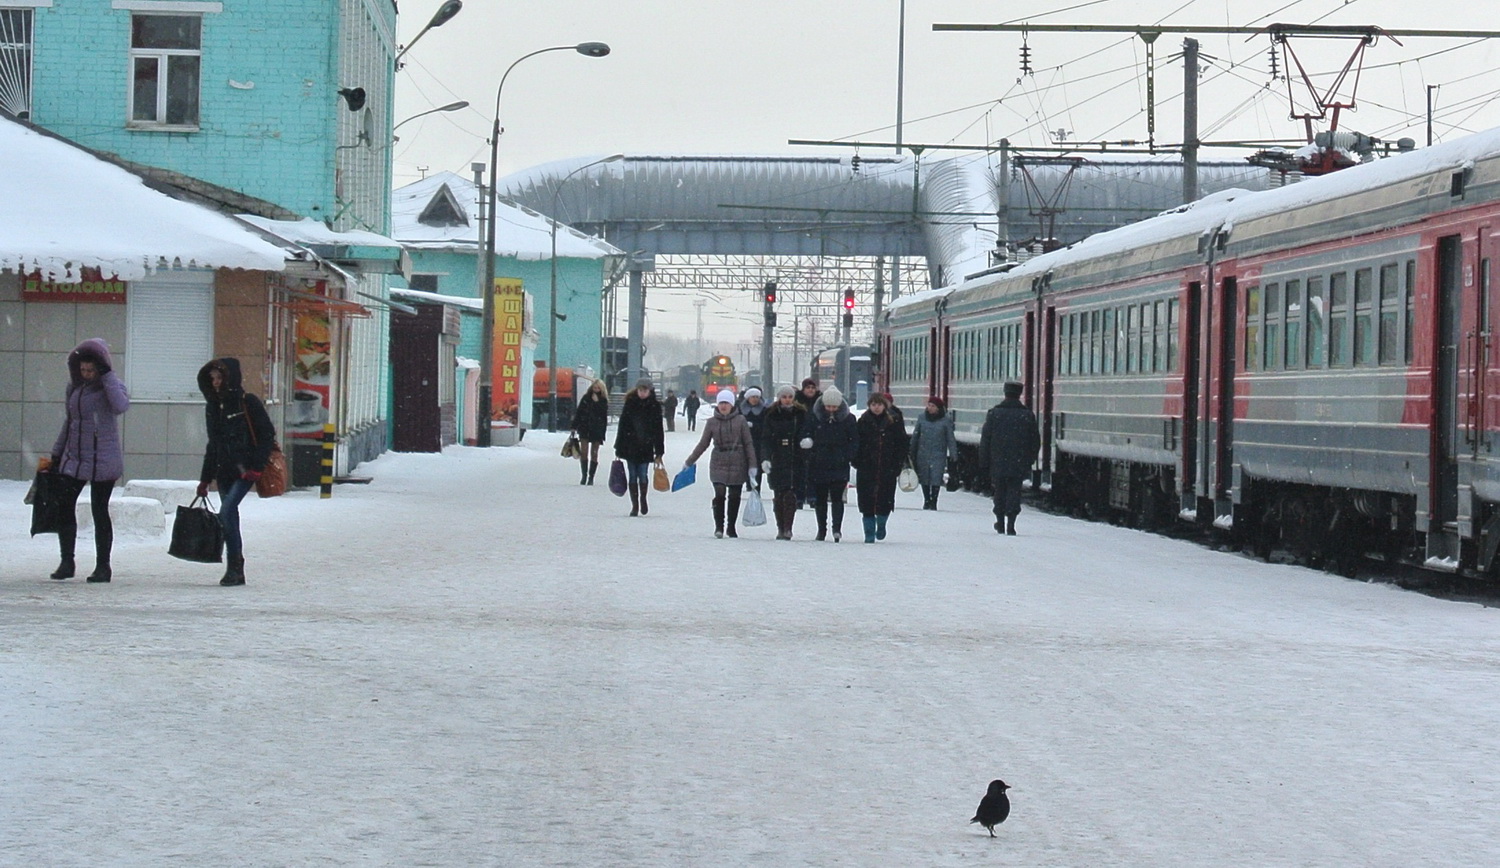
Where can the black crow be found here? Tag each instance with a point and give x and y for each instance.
(993, 808)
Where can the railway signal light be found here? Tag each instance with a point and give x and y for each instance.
(770, 292)
(849, 308)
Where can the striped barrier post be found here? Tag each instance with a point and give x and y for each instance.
(325, 486)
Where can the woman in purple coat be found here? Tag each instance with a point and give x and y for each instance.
(88, 453)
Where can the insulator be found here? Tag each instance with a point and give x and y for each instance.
(1275, 64)
(1025, 59)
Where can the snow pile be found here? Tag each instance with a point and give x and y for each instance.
(62, 210)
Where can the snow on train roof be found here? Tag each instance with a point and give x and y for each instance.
(1226, 207)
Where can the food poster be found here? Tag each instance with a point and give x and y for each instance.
(312, 372)
(510, 324)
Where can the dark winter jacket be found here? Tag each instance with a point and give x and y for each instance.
(669, 406)
(88, 447)
(240, 433)
(932, 447)
(883, 445)
(835, 439)
(640, 437)
(755, 417)
(806, 403)
(591, 418)
(734, 447)
(1009, 441)
(690, 405)
(780, 438)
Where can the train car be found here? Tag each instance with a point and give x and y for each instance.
(1309, 368)
(718, 373)
(828, 368)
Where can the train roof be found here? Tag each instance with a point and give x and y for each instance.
(1226, 208)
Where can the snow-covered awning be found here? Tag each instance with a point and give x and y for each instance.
(370, 252)
(63, 210)
(470, 304)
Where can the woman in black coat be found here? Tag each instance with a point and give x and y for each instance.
(883, 447)
(832, 443)
(782, 456)
(590, 420)
(640, 441)
(240, 436)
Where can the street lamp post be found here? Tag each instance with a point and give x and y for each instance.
(450, 107)
(487, 289)
(442, 16)
(552, 325)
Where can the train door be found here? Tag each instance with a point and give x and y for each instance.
(1028, 360)
(1192, 342)
(1049, 372)
(1446, 436)
(940, 375)
(1224, 406)
(934, 357)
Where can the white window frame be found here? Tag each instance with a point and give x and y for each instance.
(169, 335)
(164, 8)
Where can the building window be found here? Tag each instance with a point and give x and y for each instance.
(15, 62)
(165, 59)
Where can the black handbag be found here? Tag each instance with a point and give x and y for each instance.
(197, 534)
(49, 503)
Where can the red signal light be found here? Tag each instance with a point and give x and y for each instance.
(849, 300)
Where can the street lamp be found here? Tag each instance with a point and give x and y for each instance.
(552, 325)
(442, 16)
(487, 290)
(450, 107)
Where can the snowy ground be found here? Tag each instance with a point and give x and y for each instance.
(475, 661)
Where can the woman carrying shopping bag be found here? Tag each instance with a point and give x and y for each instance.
(589, 423)
(240, 437)
(731, 464)
(640, 442)
(88, 454)
(933, 446)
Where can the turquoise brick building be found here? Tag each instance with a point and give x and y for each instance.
(286, 103)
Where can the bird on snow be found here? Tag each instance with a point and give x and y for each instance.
(993, 808)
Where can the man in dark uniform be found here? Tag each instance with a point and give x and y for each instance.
(1007, 449)
(669, 410)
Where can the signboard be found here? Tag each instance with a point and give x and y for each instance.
(313, 368)
(93, 289)
(510, 322)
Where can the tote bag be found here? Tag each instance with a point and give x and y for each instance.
(49, 503)
(570, 448)
(617, 483)
(659, 480)
(755, 511)
(197, 534)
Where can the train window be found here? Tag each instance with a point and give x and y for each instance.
(1063, 343)
(1292, 323)
(1159, 360)
(1316, 315)
(1272, 334)
(1096, 348)
(1109, 342)
(1133, 318)
(1144, 355)
(1338, 320)
(1390, 314)
(1172, 326)
(1364, 317)
(1411, 303)
(1252, 328)
(1484, 295)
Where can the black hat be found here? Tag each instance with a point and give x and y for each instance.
(1013, 389)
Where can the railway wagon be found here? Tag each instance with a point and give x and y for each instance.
(1309, 368)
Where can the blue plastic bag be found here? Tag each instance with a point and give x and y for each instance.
(685, 477)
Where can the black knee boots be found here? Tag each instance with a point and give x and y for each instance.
(635, 498)
(235, 574)
(66, 569)
(593, 466)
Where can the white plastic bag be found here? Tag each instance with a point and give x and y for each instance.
(908, 479)
(754, 514)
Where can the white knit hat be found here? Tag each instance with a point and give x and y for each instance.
(725, 395)
(752, 392)
(832, 397)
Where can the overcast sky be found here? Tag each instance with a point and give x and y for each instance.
(717, 77)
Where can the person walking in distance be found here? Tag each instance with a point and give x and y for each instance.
(590, 420)
(87, 452)
(933, 446)
(732, 463)
(808, 398)
(669, 410)
(883, 447)
(782, 458)
(1007, 448)
(639, 441)
(833, 442)
(690, 406)
(240, 436)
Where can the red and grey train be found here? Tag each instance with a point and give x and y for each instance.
(1310, 367)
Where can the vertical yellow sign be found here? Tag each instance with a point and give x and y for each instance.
(510, 315)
